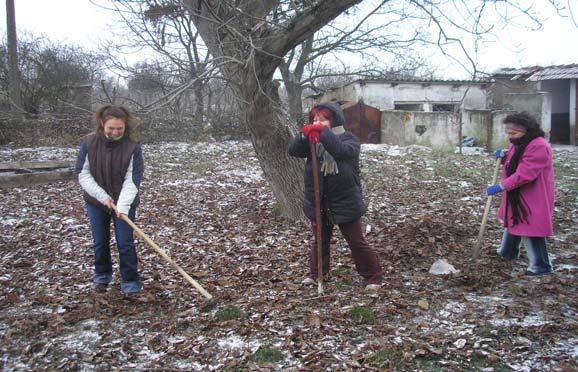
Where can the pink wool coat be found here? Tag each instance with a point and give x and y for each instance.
(535, 178)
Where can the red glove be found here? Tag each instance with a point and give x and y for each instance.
(313, 132)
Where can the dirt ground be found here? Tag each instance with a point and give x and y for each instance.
(210, 208)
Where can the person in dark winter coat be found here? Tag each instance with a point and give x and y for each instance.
(527, 184)
(340, 190)
(110, 167)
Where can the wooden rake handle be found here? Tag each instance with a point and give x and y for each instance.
(318, 221)
(476, 250)
(152, 244)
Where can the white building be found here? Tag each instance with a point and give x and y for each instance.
(428, 96)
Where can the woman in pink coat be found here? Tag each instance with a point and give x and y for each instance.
(528, 200)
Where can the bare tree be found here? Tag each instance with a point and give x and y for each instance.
(13, 72)
(51, 75)
(248, 39)
(373, 34)
(164, 28)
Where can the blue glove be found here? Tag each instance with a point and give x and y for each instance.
(494, 189)
(500, 154)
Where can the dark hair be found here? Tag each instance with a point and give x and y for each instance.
(107, 112)
(527, 121)
(321, 111)
(520, 209)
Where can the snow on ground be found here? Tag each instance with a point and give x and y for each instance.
(209, 206)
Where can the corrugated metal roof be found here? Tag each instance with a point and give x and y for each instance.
(420, 81)
(555, 73)
(537, 73)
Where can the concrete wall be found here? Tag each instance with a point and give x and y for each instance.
(437, 130)
(504, 85)
(348, 92)
(497, 132)
(440, 130)
(477, 124)
(384, 95)
(537, 103)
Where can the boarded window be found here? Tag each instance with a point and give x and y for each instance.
(408, 106)
(443, 107)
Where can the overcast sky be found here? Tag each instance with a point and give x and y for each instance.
(83, 23)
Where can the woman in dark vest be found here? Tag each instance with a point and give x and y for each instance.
(340, 189)
(110, 168)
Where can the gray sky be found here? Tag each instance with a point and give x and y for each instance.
(81, 22)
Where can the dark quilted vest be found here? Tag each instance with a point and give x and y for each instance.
(109, 161)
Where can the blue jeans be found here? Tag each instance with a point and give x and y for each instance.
(100, 225)
(535, 249)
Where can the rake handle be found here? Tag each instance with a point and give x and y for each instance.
(476, 250)
(160, 251)
(318, 222)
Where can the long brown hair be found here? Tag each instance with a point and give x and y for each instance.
(106, 112)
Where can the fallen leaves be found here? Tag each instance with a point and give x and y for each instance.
(217, 220)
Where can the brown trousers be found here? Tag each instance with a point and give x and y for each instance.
(364, 257)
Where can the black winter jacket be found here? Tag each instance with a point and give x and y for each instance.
(341, 194)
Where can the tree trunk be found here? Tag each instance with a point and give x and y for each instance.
(13, 73)
(199, 92)
(294, 92)
(251, 50)
(270, 136)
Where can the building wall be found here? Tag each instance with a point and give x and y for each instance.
(502, 86)
(498, 139)
(477, 124)
(537, 104)
(384, 96)
(437, 130)
(348, 92)
(440, 130)
(560, 94)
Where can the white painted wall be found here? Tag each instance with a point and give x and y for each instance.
(384, 95)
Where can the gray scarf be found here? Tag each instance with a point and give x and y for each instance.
(328, 163)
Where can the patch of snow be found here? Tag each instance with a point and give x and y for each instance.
(235, 342)
(231, 342)
(488, 299)
(529, 321)
(394, 150)
(82, 340)
(562, 148)
(10, 221)
(566, 267)
(247, 175)
(471, 151)
(451, 307)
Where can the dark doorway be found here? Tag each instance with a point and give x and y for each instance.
(560, 128)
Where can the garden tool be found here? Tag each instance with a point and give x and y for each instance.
(152, 244)
(476, 250)
(318, 221)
